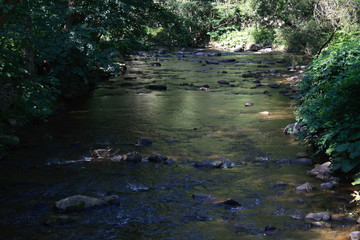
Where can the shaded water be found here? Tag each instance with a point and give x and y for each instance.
(156, 200)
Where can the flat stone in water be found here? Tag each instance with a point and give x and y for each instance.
(80, 202)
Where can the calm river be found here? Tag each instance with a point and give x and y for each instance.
(187, 124)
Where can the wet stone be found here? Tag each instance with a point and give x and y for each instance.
(212, 62)
(306, 187)
(321, 216)
(169, 161)
(355, 235)
(142, 142)
(157, 87)
(228, 60)
(132, 157)
(329, 185)
(272, 70)
(229, 202)
(201, 196)
(274, 85)
(247, 75)
(223, 82)
(157, 158)
(321, 169)
(80, 202)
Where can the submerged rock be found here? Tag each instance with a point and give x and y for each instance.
(247, 75)
(329, 185)
(81, 202)
(229, 202)
(228, 60)
(157, 87)
(211, 61)
(157, 158)
(59, 221)
(169, 161)
(302, 161)
(142, 142)
(223, 82)
(215, 163)
(275, 85)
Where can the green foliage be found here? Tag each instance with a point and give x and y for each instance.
(329, 104)
(248, 35)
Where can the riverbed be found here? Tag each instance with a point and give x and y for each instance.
(191, 105)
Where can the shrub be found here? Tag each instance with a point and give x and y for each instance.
(329, 103)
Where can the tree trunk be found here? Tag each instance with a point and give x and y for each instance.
(70, 16)
(29, 48)
(326, 43)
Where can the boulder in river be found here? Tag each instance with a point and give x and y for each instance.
(306, 187)
(321, 169)
(252, 47)
(355, 235)
(81, 202)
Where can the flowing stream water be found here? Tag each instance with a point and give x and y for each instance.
(186, 124)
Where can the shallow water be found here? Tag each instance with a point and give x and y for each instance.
(156, 199)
